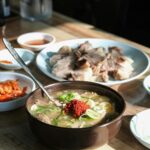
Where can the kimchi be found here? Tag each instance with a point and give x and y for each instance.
(10, 89)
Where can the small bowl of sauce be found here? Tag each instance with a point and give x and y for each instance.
(9, 63)
(35, 41)
(6, 61)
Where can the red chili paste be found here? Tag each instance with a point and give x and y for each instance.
(76, 108)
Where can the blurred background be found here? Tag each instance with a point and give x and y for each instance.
(126, 18)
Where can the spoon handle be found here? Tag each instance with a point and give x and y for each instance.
(21, 62)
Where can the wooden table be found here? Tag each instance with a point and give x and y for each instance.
(15, 133)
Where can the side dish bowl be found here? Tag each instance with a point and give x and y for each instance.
(77, 138)
(139, 126)
(146, 83)
(35, 41)
(7, 61)
(24, 81)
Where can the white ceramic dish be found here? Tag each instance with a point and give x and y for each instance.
(140, 127)
(146, 84)
(24, 81)
(140, 65)
(33, 36)
(25, 54)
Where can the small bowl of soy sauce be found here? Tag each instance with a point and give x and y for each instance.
(35, 41)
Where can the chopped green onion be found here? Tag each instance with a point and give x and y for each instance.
(92, 114)
(55, 121)
(67, 97)
(45, 109)
(91, 103)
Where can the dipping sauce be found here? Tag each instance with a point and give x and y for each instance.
(5, 61)
(81, 109)
(37, 42)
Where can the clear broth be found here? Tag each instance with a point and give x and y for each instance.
(49, 113)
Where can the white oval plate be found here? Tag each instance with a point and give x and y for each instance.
(140, 127)
(24, 81)
(140, 65)
(25, 54)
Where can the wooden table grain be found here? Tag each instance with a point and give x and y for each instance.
(15, 133)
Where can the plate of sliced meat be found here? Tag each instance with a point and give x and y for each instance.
(96, 60)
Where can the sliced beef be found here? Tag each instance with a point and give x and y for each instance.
(82, 75)
(85, 47)
(101, 70)
(123, 69)
(65, 50)
(91, 64)
(63, 67)
(83, 63)
(55, 58)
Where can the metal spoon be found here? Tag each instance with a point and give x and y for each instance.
(21, 62)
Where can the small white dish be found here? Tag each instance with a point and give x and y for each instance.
(5, 55)
(36, 41)
(24, 81)
(140, 127)
(146, 84)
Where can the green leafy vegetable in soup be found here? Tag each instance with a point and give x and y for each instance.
(66, 97)
(80, 109)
